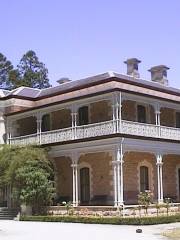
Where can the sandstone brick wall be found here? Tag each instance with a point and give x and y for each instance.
(26, 126)
(170, 180)
(152, 116)
(101, 166)
(131, 175)
(129, 110)
(167, 117)
(61, 119)
(100, 111)
(63, 177)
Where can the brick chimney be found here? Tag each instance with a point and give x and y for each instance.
(159, 74)
(132, 67)
(63, 80)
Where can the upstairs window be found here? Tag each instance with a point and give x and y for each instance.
(45, 123)
(141, 114)
(83, 114)
(144, 179)
(178, 119)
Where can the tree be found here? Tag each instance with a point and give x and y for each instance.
(33, 73)
(30, 174)
(6, 68)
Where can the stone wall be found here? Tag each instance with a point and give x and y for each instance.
(171, 163)
(63, 171)
(129, 110)
(167, 117)
(61, 119)
(132, 162)
(26, 126)
(100, 111)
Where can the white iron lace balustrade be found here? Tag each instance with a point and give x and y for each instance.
(25, 140)
(59, 135)
(95, 129)
(170, 133)
(140, 129)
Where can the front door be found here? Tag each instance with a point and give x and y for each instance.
(85, 185)
(178, 184)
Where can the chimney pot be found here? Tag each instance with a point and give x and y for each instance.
(132, 67)
(159, 74)
(63, 80)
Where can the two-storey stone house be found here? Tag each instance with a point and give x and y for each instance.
(110, 135)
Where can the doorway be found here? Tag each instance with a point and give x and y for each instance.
(85, 185)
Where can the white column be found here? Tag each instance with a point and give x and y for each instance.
(74, 121)
(72, 124)
(158, 120)
(9, 132)
(113, 117)
(120, 112)
(115, 182)
(118, 177)
(75, 180)
(159, 164)
(2, 128)
(39, 123)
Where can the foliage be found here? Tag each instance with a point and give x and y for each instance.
(105, 220)
(7, 153)
(145, 199)
(167, 202)
(29, 172)
(33, 73)
(69, 207)
(6, 68)
(30, 72)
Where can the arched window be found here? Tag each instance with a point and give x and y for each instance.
(144, 178)
(83, 115)
(45, 123)
(141, 114)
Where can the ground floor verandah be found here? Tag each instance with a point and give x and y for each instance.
(113, 172)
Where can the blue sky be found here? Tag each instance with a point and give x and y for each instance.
(79, 38)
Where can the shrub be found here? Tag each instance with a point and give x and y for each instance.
(144, 199)
(105, 220)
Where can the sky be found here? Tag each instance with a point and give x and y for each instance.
(81, 38)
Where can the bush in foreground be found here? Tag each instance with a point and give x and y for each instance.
(105, 220)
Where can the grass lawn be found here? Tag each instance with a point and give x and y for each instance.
(173, 234)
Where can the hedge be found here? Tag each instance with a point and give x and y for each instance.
(105, 220)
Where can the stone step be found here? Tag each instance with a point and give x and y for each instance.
(6, 213)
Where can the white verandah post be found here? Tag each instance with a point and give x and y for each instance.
(118, 176)
(39, 124)
(158, 120)
(159, 164)
(75, 180)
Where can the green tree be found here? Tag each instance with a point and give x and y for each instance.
(6, 68)
(33, 73)
(30, 174)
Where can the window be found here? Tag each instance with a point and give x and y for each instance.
(141, 114)
(45, 123)
(144, 178)
(83, 115)
(178, 119)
